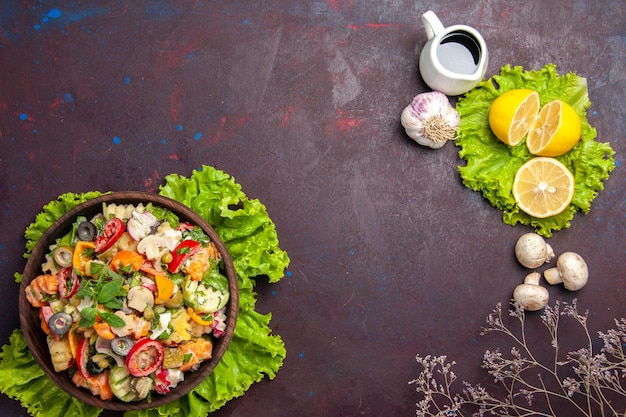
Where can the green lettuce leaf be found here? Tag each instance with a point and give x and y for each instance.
(254, 352)
(22, 379)
(491, 165)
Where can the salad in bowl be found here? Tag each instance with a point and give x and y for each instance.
(129, 300)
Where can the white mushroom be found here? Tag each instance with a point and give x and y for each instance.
(129, 324)
(140, 298)
(532, 251)
(571, 270)
(530, 295)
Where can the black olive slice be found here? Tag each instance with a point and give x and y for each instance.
(86, 231)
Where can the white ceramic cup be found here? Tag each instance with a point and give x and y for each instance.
(454, 59)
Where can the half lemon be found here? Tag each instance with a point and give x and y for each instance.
(512, 114)
(555, 131)
(543, 187)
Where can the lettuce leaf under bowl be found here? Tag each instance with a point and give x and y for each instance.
(491, 164)
(254, 352)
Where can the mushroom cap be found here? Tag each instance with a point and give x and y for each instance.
(532, 251)
(531, 297)
(573, 270)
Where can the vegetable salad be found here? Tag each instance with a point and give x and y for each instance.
(130, 300)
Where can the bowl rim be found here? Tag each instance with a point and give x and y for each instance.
(36, 339)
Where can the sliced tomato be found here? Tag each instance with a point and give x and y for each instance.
(111, 232)
(68, 282)
(181, 253)
(82, 357)
(145, 357)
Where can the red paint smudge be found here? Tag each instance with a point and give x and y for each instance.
(370, 25)
(175, 100)
(174, 54)
(219, 130)
(287, 115)
(173, 157)
(56, 103)
(152, 184)
(227, 128)
(338, 5)
(31, 156)
(345, 122)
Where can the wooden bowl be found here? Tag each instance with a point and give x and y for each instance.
(31, 323)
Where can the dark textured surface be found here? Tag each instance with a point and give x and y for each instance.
(300, 102)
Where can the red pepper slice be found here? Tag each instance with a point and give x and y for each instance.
(82, 357)
(68, 282)
(111, 232)
(183, 251)
(145, 357)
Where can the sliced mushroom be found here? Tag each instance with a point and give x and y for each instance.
(140, 298)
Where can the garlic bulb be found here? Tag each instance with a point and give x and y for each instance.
(430, 120)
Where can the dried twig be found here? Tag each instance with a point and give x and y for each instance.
(586, 381)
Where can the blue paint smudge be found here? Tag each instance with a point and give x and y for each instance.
(198, 136)
(54, 13)
(68, 98)
(192, 55)
(245, 21)
(117, 140)
(161, 10)
(23, 116)
(62, 18)
(127, 80)
(310, 393)
(179, 128)
(163, 141)
(273, 292)
(301, 355)
(289, 273)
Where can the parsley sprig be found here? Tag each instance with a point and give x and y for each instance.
(107, 288)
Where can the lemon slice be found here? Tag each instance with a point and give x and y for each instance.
(556, 130)
(512, 114)
(543, 187)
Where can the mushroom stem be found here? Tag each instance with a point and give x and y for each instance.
(552, 276)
